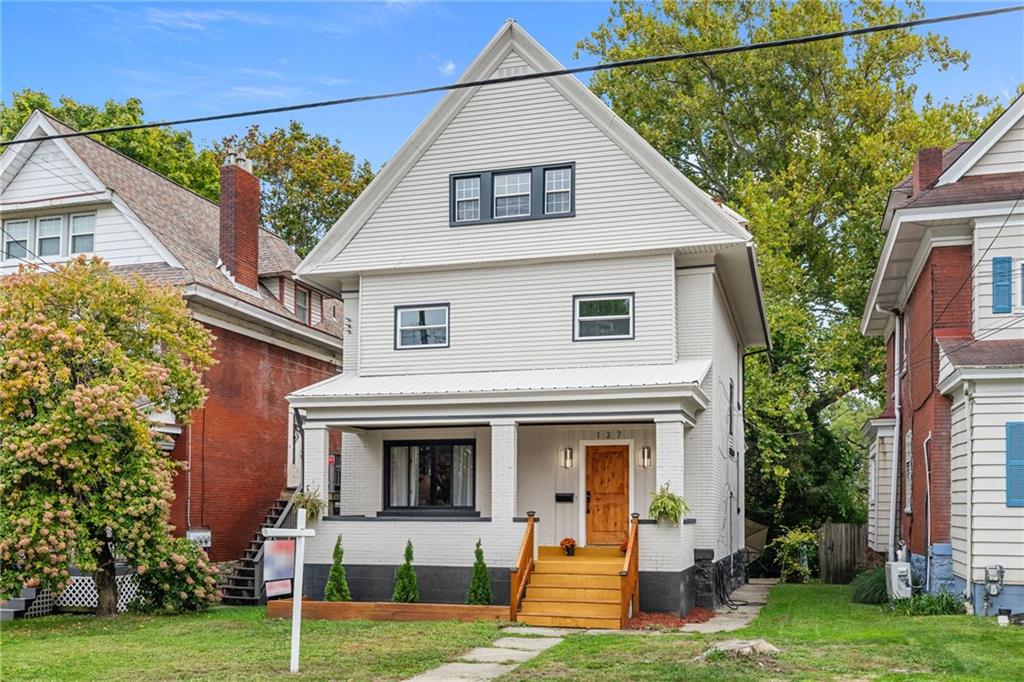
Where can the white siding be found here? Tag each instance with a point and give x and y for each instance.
(1005, 156)
(618, 205)
(959, 461)
(998, 236)
(879, 506)
(116, 239)
(519, 317)
(47, 174)
(694, 317)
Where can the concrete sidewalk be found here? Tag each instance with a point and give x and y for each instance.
(751, 598)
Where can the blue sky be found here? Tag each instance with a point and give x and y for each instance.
(186, 59)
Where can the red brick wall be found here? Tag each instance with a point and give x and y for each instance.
(240, 439)
(924, 409)
(240, 224)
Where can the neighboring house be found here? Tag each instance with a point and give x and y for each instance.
(542, 315)
(947, 454)
(72, 196)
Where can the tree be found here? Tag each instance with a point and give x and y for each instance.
(167, 151)
(85, 357)
(337, 584)
(480, 580)
(307, 180)
(406, 588)
(805, 141)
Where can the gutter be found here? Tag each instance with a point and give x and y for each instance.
(760, 300)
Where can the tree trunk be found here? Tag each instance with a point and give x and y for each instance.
(105, 577)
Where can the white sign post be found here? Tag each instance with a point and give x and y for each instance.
(300, 533)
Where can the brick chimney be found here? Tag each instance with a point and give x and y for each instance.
(239, 220)
(927, 167)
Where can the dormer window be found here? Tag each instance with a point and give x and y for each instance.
(302, 304)
(15, 238)
(498, 196)
(48, 234)
(83, 233)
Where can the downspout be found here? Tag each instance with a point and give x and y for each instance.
(898, 431)
(928, 512)
(188, 482)
(969, 417)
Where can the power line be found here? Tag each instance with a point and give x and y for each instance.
(639, 61)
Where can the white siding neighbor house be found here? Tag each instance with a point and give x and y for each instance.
(948, 295)
(544, 320)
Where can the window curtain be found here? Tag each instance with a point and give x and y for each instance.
(403, 478)
(462, 475)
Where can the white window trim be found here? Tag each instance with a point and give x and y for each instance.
(72, 234)
(576, 319)
(309, 303)
(567, 191)
(8, 239)
(528, 194)
(60, 237)
(432, 306)
(479, 207)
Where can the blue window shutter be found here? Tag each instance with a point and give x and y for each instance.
(1015, 464)
(1002, 284)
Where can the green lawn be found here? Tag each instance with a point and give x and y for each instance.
(229, 643)
(822, 635)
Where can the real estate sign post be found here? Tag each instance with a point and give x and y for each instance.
(300, 533)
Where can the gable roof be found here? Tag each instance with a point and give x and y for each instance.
(995, 132)
(185, 225)
(511, 37)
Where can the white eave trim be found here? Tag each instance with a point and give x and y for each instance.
(962, 374)
(270, 319)
(881, 427)
(980, 146)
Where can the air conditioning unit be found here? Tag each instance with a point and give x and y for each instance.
(897, 580)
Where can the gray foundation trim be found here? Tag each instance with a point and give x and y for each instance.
(732, 568)
(668, 591)
(438, 584)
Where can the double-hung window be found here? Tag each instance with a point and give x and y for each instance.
(430, 475)
(467, 199)
(48, 235)
(512, 195)
(419, 326)
(302, 304)
(83, 233)
(557, 191)
(16, 239)
(602, 317)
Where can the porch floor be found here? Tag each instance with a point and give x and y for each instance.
(580, 591)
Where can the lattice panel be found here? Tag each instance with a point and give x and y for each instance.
(42, 605)
(81, 592)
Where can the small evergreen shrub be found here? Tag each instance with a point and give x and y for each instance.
(942, 603)
(869, 587)
(793, 551)
(406, 588)
(183, 581)
(480, 581)
(667, 506)
(337, 584)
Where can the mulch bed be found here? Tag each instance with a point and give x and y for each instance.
(645, 620)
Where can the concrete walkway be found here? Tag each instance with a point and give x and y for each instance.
(754, 593)
(504, 654)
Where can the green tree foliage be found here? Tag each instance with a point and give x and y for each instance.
(85, 357)
(805, 141)
(406, 587)
(480, 580)
(167, 151)
(184, 580)
(308, 181)
(337, 584)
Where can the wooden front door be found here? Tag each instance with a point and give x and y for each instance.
(607, 494)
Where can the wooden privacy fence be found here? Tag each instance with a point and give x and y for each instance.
(842, 549)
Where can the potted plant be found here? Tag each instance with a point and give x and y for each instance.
(667, 506)
(568, 546)
(624, 546)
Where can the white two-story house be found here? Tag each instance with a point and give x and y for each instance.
(544, 319)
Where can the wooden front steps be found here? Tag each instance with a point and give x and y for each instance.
(581, 591)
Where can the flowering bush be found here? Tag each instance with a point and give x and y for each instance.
(794, 549)
(184, 580)
(80, 469)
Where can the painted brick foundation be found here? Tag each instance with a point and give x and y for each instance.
(239, 441)
(734, 568)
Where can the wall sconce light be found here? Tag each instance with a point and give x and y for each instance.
(645, 457)
(567, 458)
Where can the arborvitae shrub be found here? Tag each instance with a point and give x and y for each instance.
(337, 584)
(406, 588)
(480, 581)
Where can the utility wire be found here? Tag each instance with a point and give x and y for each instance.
(639, 61)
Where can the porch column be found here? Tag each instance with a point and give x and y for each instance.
(315, 450)
(668, 460)
(504, 454)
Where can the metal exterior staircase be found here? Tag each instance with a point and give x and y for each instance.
(243, 585)
(581, 591)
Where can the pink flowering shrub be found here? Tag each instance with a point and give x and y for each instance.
(85, 356)
(183, 580)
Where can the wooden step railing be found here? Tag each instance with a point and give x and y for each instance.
(524, 566)
(629, 576)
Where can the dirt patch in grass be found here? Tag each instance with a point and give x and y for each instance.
(647, 620)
